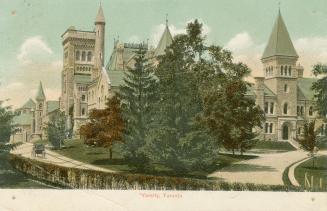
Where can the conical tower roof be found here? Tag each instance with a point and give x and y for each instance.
(40, 93)
(165, 41)
(100, 16)
(280, 43)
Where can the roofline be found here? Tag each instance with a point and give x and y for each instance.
(263, 58)
(76, 30)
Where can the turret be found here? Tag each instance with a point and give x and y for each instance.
(99, 42)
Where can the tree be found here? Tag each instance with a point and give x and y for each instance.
(138, 95)
(56, 129)
(106, 126)
(320, 88)
(6, 123)
(308, 140)
(229, 113)
(176, 140)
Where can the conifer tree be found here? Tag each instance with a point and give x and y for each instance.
(176, 140)
(138, 95)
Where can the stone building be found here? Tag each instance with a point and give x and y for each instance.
(32, 117)
(283, 93)
(86, 82)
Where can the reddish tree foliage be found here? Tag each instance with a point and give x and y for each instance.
(106, 126)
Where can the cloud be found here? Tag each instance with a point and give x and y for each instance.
(311, 50)
(32, 49)
(158, 30)
(35, 62)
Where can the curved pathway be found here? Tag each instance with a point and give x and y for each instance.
(266, 169)
(55, 158)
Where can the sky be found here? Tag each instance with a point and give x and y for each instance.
(30, 33)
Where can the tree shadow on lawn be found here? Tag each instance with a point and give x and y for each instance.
(107, 161)
(242, 167)
(320, 168)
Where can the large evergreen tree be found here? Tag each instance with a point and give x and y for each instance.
(138, 95)
(177, 141)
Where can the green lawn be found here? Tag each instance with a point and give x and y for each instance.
(99, 156)
(274, 146)
(318, 171)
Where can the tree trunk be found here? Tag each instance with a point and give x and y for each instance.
(110, 153)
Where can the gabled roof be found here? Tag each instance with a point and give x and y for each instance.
(267, 91)
(304, 88)
(116, 78)
(23, 119)
(100, 16)
(280, 43)
(29, 104)
(165, 41)
(40, 93)
(52, 106)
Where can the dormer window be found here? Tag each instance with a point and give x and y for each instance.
(83, 56)
(77, 56)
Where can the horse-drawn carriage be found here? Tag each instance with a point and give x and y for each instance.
(38, 149)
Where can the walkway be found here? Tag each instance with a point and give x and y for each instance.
(55, 158)
(266, 169)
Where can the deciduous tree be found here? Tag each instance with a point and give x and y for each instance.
(106, 126)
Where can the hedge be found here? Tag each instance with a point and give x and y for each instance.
(74, 178)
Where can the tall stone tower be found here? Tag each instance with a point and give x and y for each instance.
(40, 109)
(279, 61)
(99, 43)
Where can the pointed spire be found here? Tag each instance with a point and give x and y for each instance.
(40, 93)
(100, 15)
(280, 43)
(165, 41)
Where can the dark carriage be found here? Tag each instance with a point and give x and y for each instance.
(38, 149)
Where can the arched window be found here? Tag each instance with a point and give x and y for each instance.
(285, 108)
(89, 56)
(272, 70)
(285, 88)
(310, 111)
(83, 56)
(290, 71)
(285, 71)
(281, 70)
(83, 111)
(77, 56)
(299, 131)
(40, 106)
(83, 98)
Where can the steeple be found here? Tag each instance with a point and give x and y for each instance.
(280, 43)
(40, 96)
(165, 41)
(100, 16)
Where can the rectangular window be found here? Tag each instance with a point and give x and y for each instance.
(271, 108)
(266, 107)
(266, 127)
(271, 126)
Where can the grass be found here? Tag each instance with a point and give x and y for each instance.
(99, 156)
(318, 171)
(279, 146)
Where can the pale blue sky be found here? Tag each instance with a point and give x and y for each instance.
(243, 25)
